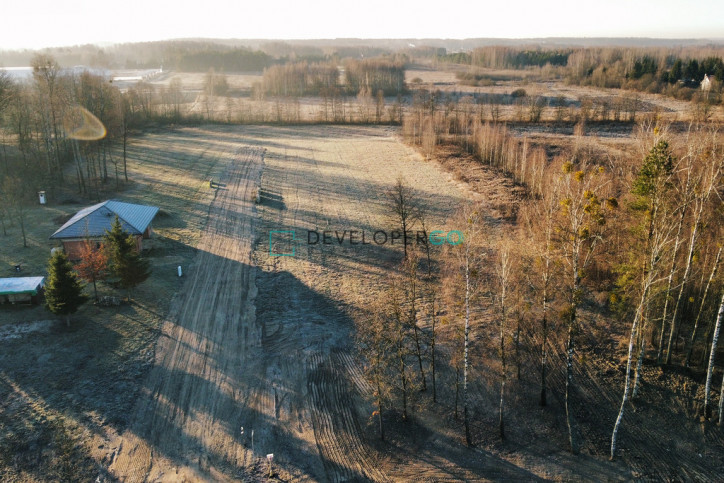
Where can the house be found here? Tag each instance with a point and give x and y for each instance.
(706, 83)
(91, 224)
(21, 290)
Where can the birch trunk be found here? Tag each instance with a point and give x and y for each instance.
(721, 405)
(570, 350)
(502, 380)
(710, 369)
(639, 364)
(684, 279)
(468, 438)
(432, 349)
(504, 273)
(669, 284)
(701, 309)
(627, 384)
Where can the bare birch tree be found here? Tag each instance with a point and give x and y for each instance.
(503, 272)
(711, 163)
(403, 205)
(465, 274)
(580, 233)
(710, 368)
(702, 304)
(658, 241)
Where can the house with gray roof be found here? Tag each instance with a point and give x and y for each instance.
(91, 224)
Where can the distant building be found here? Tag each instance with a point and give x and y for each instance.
(706, 83)
(91, 224)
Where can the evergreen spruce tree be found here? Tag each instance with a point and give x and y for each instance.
(63, 291)
(126, 264)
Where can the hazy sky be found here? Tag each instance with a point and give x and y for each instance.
(44, 23)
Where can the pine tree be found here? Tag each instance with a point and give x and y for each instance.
(63, 290)
(125, 263)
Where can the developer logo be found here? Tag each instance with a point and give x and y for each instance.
(282, 243)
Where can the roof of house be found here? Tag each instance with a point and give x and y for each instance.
(95, 220)
(21, 285)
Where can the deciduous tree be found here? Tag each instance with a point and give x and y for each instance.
(580, 229)
(13, 195)
(464, 274)
(375, 344)
(710, 368)
(93, 264)
(503, 271)
(403, 205)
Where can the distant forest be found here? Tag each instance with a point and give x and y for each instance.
(192, 55)
(672, 71)
(360, 76)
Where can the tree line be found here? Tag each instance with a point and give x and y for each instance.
(296, 79)
(303, 78)
(499, 57)
(36, 118)
(193, 55)
(672, 71)
(627, 244)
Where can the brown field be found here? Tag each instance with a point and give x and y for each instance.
(194, 81)
(240, 106)
(506, 81)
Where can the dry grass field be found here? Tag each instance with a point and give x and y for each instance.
(194, 81)
(504, 82)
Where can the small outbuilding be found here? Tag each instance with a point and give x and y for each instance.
(707, 82)
(91, 224)
(21, 290)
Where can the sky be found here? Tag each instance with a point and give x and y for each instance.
(53, 23)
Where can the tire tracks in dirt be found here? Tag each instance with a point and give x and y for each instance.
(300, 331)
(185, 424)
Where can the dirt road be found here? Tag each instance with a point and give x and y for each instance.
(186, 424)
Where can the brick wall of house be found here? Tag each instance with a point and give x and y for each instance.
(73, 248)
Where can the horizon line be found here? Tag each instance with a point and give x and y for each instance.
(102, 43)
